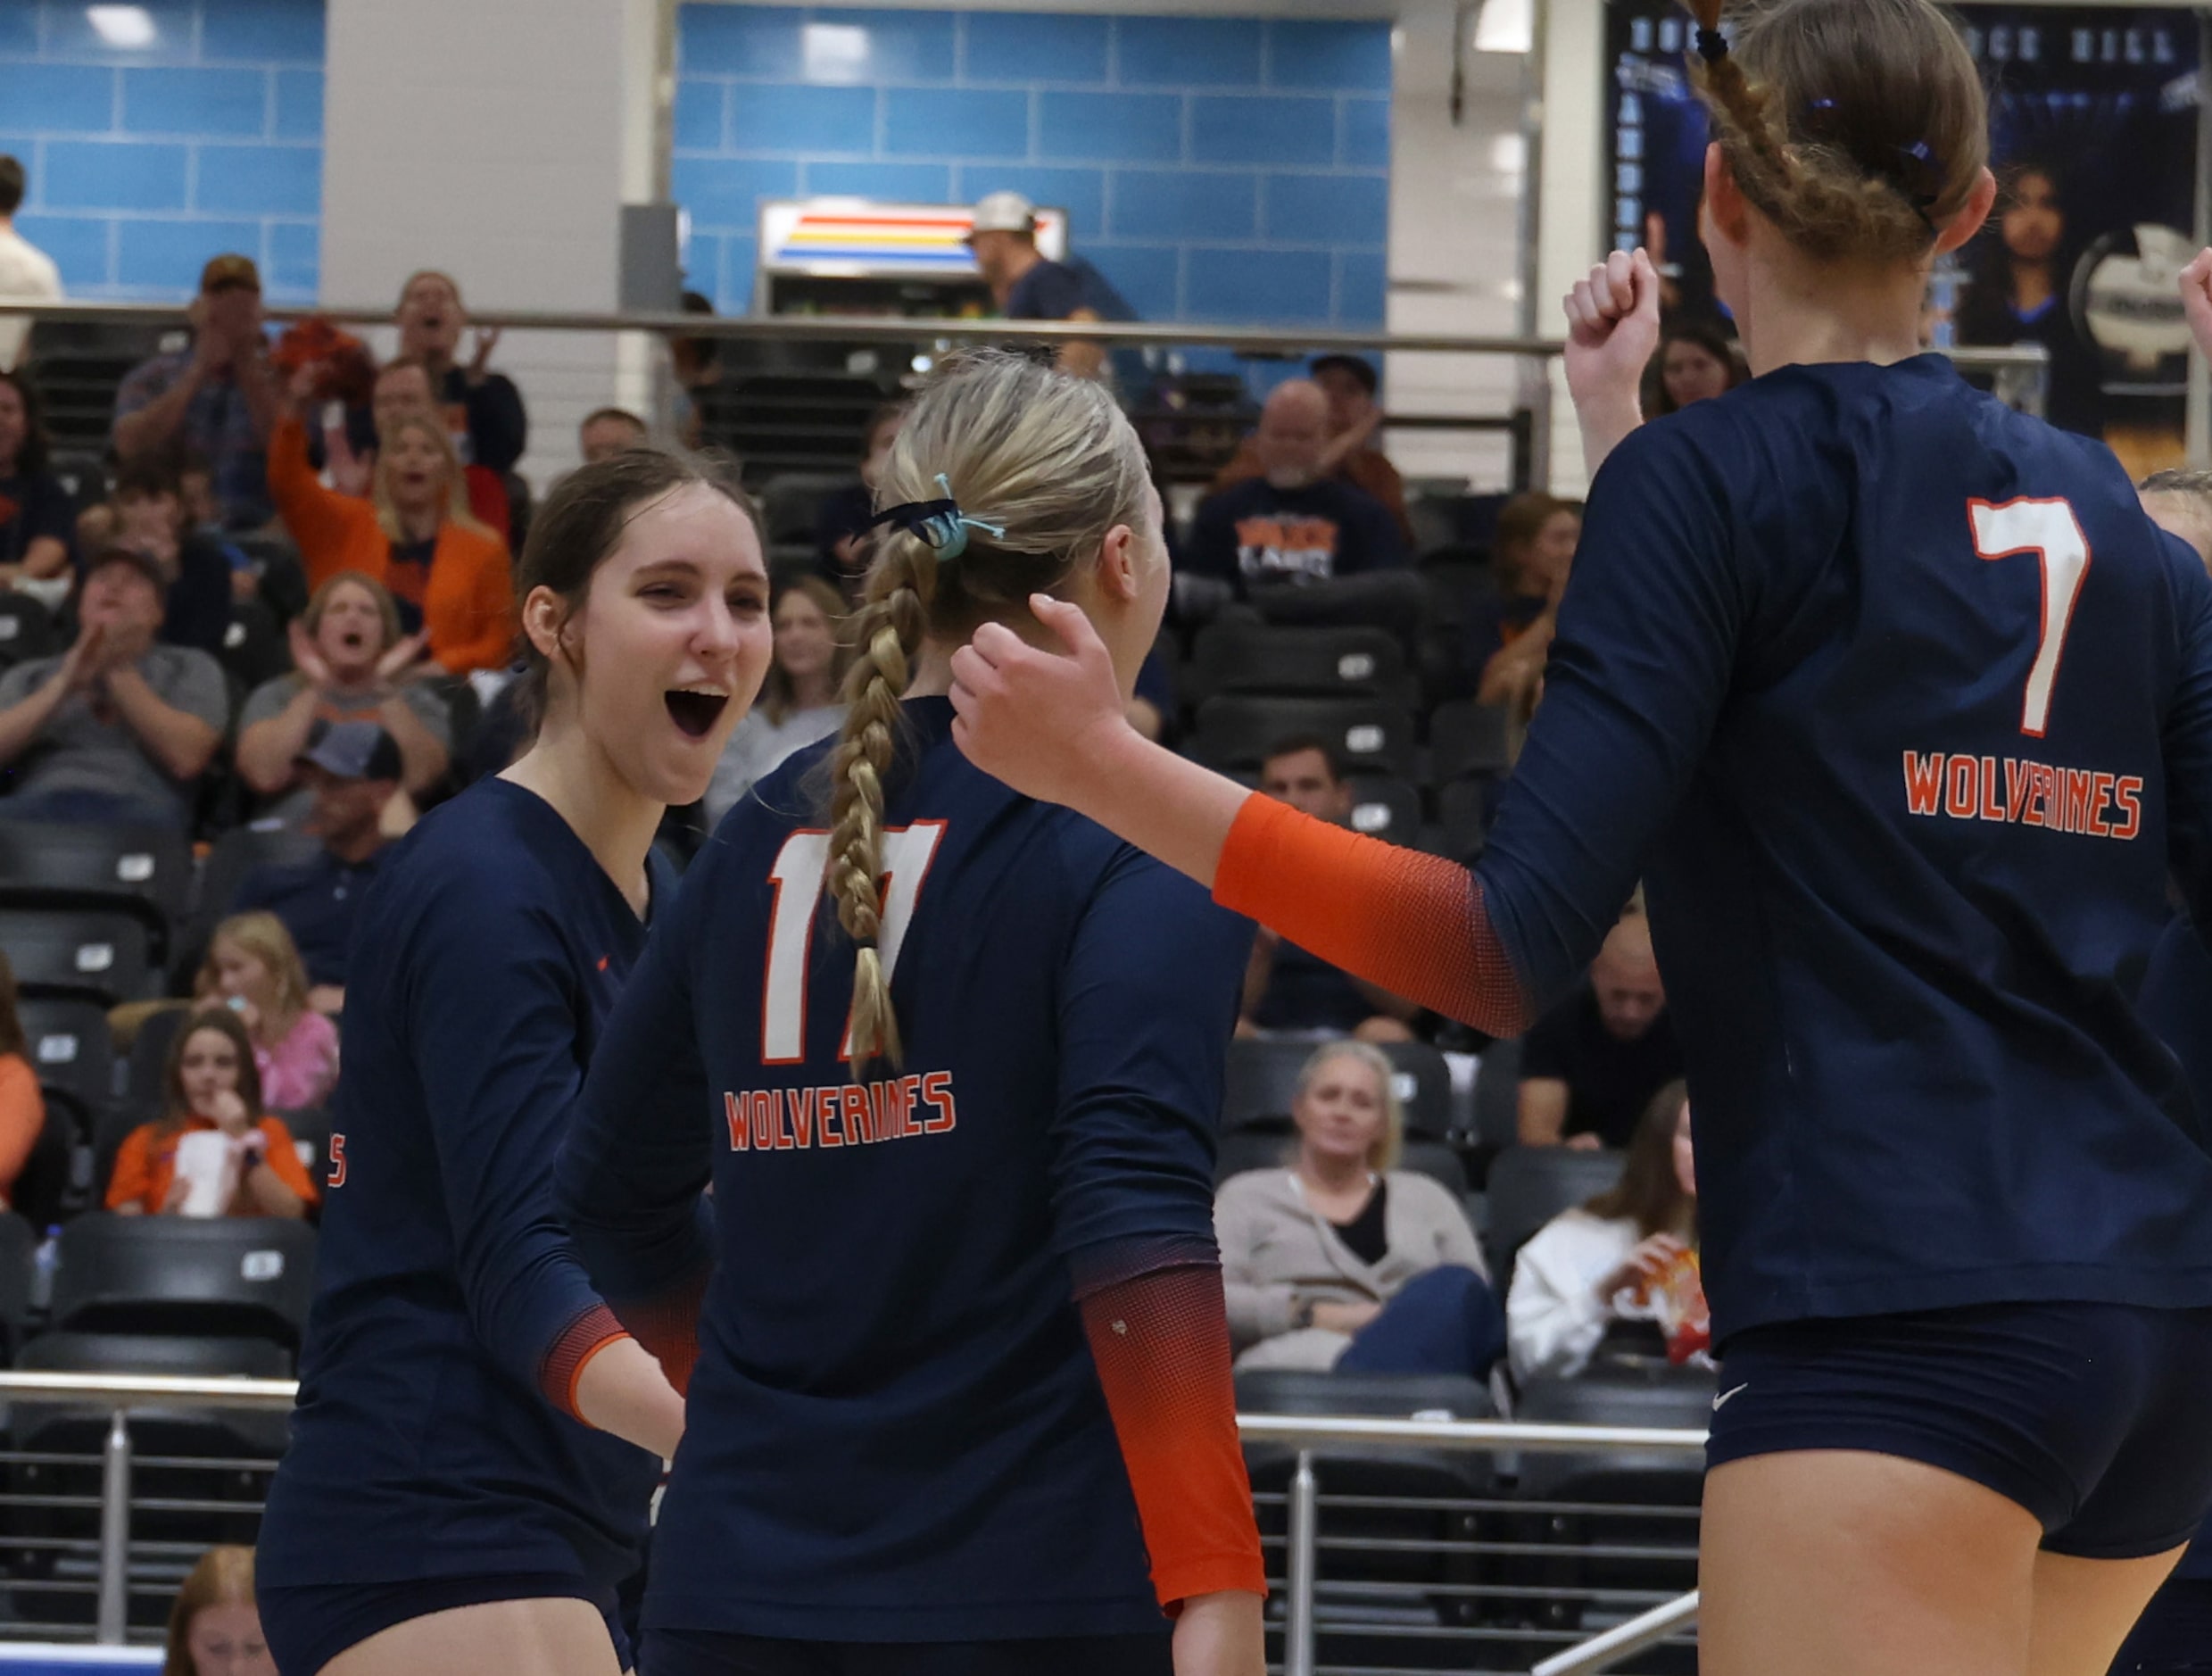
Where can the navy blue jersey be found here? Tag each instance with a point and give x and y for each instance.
(895, 1428)
(1902, 707)
(493, 946)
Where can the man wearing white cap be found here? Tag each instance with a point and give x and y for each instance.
(1030, 286)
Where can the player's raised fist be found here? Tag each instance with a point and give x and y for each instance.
(1612, 328)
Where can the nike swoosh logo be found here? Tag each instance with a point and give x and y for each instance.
(1725, 1395)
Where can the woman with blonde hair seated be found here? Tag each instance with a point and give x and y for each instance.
(253, 970)
(1340, 1260)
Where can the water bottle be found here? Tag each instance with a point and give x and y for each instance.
(44, 1266)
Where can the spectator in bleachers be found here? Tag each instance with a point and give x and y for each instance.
(215, 1628)
(352, 770)
(350, 663)
(1570, 1279)
(1027, 284)
(1343, 1261)
(26, 271)
(217, 398)
(1350, 456)
(151, 519)
(449, 574)
(1590, 1066)
(22, 1109)
(1298, 546)
(800, 700)
(1287, 991)
(708, 407)
(37, 517)
(841, 520)
(1511, 634)
(1696, 361)
(607, 431)
(119, 727)
(210, 1086)
(483, 410)
(402, 390)
(253, 971)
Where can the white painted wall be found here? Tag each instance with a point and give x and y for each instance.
(497, 140)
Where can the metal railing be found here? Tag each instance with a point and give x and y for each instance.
(1381, 1611)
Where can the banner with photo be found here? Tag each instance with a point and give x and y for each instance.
(2093, 120)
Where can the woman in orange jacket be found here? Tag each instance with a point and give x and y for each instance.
(414, 533)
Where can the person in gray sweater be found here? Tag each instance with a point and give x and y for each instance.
(1337, 1260)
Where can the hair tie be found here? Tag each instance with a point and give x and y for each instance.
(939, 525)
(1712, 45)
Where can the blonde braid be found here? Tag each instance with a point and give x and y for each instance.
(887, 631)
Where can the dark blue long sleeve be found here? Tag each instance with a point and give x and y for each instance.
(494, 1017)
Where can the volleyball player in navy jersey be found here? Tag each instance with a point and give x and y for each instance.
(952, 1062)
(453, 1500)
(1902, 708)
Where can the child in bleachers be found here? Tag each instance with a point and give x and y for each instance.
(214, 1629)
(253, 968)
(211, 1086)
(1569, 1279)
(22, 1109)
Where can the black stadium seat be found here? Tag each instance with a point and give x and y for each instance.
(108, 953)
(68, 1045)
(1468, 738)
(48, 863)
(57, 1182)
(232, 1276)
(19, 1242)
(1349, 662)
(1369, 736)
(1530, 1186)
(1460, 817)
(1385, 808)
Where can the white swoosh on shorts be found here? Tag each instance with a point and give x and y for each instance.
(1725, 1395)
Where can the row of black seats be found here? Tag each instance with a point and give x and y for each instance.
(120, 913)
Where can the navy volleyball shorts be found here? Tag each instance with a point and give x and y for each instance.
(2092, 1416)
(705, 1653)
(308, 1625)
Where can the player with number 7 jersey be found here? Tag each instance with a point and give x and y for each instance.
(952, 1061)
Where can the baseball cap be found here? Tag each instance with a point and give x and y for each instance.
(353, 751)
(1004, 212)
(230, 273)
(143, 563)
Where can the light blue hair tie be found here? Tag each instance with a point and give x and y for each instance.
(939, 525)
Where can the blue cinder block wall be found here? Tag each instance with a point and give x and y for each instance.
(183, 129)
(1226, 170)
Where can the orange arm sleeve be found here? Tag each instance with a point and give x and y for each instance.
(584, 1337)
(1161, 1342)
(1413, 924)
(315, 515)
(23, 1115)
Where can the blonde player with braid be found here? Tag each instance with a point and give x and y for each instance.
(952, 1061)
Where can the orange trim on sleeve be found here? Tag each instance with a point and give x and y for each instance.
(668, 1328)
(1409, 923)
(582, 1340)
(1161, 1344)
